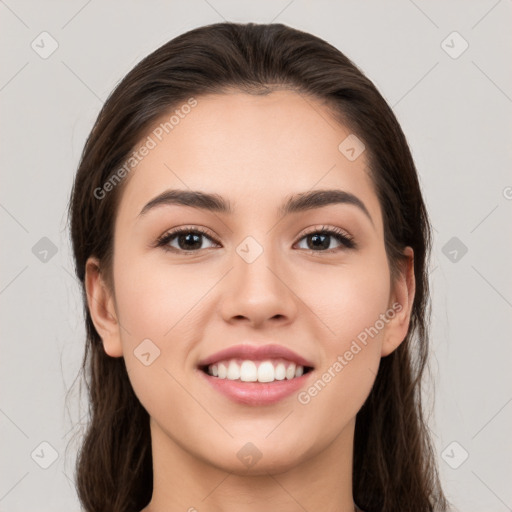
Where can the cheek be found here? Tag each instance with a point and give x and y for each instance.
(346, 299)
(156, 305)
(155, 300)
(349, 308)
(161, 307)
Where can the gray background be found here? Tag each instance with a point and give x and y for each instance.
(456, 113)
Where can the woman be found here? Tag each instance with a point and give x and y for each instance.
(252, 242)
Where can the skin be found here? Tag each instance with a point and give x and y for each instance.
(254, 151)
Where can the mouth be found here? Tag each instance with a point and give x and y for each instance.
(264, 371)
(256, 375)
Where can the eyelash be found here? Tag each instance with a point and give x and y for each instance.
(341, 236)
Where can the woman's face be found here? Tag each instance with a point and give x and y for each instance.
(255, 276)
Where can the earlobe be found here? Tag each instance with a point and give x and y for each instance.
(101, 307)
(402, 298)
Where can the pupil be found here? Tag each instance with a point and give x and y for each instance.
(317, 240)
(187, 239)
(324, 243)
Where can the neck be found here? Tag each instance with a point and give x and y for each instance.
(183, 481)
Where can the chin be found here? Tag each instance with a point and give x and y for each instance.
(260, 458)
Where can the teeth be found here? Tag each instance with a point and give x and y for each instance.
(280, 372)
(266, 372)
(233, 371)
(223, 371)
(248, 371)
(251, 371)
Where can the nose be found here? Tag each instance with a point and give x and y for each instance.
(259, 292)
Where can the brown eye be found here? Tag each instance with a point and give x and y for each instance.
(320, 240)
(188, 240)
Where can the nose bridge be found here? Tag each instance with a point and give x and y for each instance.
(255, 288)
(255, 257)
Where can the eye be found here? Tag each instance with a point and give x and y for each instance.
(188, 240)
(321, 238)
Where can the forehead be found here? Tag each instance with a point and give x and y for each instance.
(251, 149)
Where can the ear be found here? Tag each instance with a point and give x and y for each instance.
(401, 300)
(101, 307)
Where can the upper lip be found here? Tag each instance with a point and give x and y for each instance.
(255, 353)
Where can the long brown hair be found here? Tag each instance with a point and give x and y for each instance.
(394, 464)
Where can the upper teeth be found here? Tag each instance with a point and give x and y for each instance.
(255, 371)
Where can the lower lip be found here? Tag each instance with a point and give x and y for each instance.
(256, 393)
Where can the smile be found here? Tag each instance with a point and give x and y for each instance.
(256, 371)
(256, 392)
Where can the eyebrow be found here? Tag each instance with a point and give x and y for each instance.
(294, 204)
